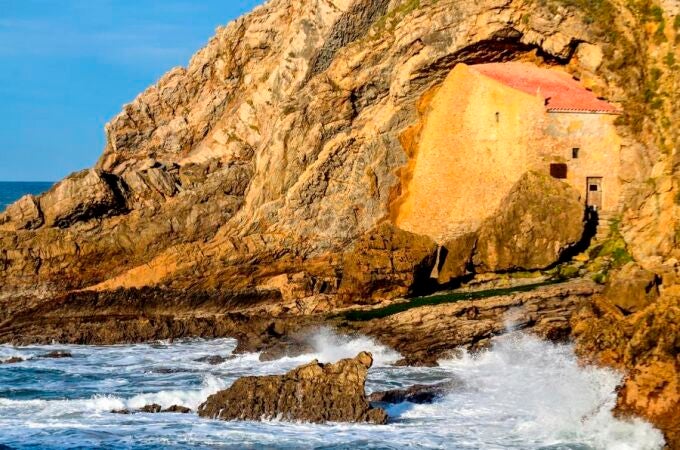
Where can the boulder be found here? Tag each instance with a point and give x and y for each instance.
(24, 214)
(313, 392)
(82, 196)
(57, 354)
(12, 360)
(152, 409)
(455, 258)
(213, 360)
(633, 288)
(177, 409)
(386, 263)
(539, 219)
(418, 393)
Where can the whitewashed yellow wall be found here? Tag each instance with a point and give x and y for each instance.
(478, 137)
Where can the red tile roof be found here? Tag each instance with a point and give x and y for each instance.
(561, 92)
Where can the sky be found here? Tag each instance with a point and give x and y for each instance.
(68, 66)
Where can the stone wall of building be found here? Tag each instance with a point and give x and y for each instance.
(478, 137)
(598, 155)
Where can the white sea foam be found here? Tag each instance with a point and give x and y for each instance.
(330, 346)
(521, 394)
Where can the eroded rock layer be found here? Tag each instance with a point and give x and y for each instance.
(311, 393)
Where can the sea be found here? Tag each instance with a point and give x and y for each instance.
(523, 393)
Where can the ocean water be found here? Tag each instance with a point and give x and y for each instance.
(12, 191)
(522, 394)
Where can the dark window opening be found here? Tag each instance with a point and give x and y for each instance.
(558, 170)
(498, 117)
(574, 152)
(593, 188)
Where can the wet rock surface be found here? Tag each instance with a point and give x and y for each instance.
(310, 393)
(178, 409)
(153, 408)
(57, 354)
(644, 345)
(12, 360)
(427, 333)
(418, 393)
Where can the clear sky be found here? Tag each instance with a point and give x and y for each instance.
(67, 67)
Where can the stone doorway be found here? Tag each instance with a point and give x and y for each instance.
(594, 190)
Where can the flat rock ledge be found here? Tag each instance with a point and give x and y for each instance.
(314, 392)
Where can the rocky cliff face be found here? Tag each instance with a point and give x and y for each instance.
(263, 176)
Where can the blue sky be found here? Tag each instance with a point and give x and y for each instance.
(69, 65)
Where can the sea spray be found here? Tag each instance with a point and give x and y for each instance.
(523, 393)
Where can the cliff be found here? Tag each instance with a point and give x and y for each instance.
(266, 177)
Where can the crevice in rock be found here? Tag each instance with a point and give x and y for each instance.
(351, 26)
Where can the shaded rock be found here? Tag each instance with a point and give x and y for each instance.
(632, 288)
(24, 214)
(121, 411)
(12, 360)
(153, 408)
(540, 218)
(418, 393)
(177, 409)
(418, 360)
(455, 258)
(57, 354)
(385, 263)
(286, 348)
(311, 393)
(424, 334)
(644, 345)
(82, 196)
(213, 359)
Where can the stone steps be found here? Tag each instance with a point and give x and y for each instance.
(604, 226)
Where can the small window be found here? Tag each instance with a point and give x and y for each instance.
(498, 117)
(593, 188)
(574, 152)
(558, 170)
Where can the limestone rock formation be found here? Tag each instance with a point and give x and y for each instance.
(540, 218)
(86, 195)
(311, 393)
(633, 288)
(387, 262)
(455, 258)
(260, 181)
(645, 345)
(24, 214)
(424, 335)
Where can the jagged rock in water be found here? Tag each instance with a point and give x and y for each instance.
(177, 409)
(12, 360)
(418, 393)
(644, 345)
(57, 354)
(153, 408)
(311, 393)
(540, 218)
(213, 359)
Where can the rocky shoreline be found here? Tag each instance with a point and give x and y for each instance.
(257, 194)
